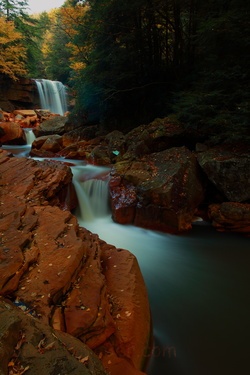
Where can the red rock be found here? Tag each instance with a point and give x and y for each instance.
(158, 191)
(25, 112)
(64, 274)
(123, 202)
(130, 308)
(13, 134)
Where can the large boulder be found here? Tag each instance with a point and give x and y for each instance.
(159, 135)
(12, 134)
(65, 275)
(47, 145)
(27, 344)
(90, 144)
(159, 191)
(227, 167)
(230, 217)
(54, 125)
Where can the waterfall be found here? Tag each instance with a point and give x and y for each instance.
(52, 95)
(92, 191)
(29, 135)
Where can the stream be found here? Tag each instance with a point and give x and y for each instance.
(198, 285)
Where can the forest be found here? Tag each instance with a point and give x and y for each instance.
(126, 63)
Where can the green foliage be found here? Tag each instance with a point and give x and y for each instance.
(129, 62)
(16, 11)
(57, 54)
(126, 66)
(12, 9)
(217, 100)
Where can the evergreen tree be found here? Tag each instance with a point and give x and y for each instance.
(13, 8)
(217, 95)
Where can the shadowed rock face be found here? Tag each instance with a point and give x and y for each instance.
(54, 125)
(27, 344)
(230, 217)
(158, 191)
(64, 274)
(227, 167)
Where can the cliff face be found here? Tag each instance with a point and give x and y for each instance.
(20, 94)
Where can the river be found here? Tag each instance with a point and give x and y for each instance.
(198, 286)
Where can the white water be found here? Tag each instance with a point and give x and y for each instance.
(23, 150)
(30, 136)
(52, 95)
(92, 192)
(198, 286)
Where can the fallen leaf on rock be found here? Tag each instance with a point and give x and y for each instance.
(84, 360)
(20, 342)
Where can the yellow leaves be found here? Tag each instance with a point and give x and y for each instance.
(77, 66)
(8, 33)
(12, 52)
(71, 18)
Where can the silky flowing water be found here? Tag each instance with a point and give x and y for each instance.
(198, 285)
(52, 95)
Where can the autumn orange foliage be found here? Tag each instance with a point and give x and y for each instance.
(12, 51)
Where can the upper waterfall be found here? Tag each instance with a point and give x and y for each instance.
(52, 95)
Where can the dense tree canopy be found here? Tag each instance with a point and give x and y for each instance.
(152, 57)
(13, 8)
(129, 62)
(21, 50)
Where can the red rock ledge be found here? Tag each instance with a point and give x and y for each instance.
(65, 275)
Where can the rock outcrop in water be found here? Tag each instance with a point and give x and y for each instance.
(159, 191)
(221, 173)
(149, 162)
(65, 276)
(227, 167)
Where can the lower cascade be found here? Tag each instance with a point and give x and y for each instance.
(52, 95)
(195, 283)
(92, 192)
(29, 135)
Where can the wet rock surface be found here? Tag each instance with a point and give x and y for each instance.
(65, 275)
(223, 169)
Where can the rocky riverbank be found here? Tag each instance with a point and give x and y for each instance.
(161, 176)
(75, 290)
(65, 278)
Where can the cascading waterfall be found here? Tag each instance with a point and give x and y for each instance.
(92, 192)
(22, 150)
(197, 285)
(52, 95)
(29, 135)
